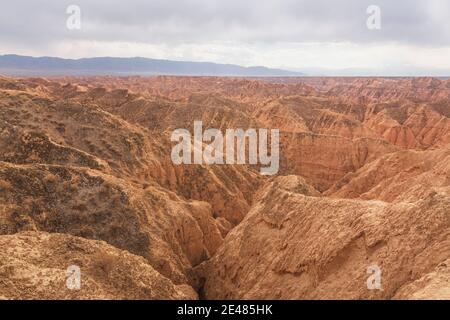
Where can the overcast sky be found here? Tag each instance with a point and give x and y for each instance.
(316, 36)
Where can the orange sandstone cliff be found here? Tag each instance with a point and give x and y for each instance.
(86, 179)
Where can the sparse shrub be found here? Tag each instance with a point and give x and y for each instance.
(103, 264)
(5, 185)
(50, 178)
(116, 199)
(80, 207)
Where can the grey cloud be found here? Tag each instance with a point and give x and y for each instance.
(42, 22)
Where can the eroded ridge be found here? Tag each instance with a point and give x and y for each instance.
(87, 183)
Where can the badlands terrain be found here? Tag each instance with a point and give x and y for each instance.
(86, 179)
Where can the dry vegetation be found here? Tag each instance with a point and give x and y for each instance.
(86, 178)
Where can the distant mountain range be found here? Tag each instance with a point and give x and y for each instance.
(33, 66)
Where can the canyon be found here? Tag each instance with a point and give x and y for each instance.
(87, 179)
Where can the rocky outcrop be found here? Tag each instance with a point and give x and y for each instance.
(401, 176)
(293, 245)
(324, 159)
(39, 265)
(86, 178)
(431, 286)
(172, 234)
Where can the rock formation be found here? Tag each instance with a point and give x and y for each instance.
(86, 179)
